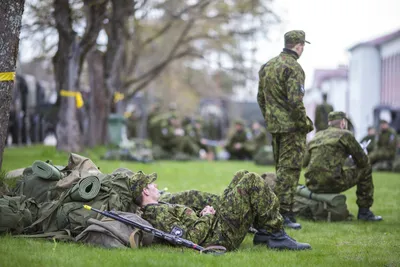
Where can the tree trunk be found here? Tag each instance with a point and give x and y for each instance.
(99, 103)
(68, 132)
(10, 26)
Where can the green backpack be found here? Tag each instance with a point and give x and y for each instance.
(320, 207)
(67, 213)
(16, 213)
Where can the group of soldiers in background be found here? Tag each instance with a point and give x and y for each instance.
(177, 137)
(187, 138)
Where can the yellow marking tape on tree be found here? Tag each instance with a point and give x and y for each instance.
(118, 97)
(77, 95)
(7, 76)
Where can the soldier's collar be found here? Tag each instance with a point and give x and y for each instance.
(291, 53)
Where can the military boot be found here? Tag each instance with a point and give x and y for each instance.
(279, 240)
(290, 222)
(365, 214)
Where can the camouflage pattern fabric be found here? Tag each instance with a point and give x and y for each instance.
(327, 171)
(280, 94)
(288, 151)
(238, 137)
(385, 147)
(194, 199)
(321, 116)
(257, 142)
(247, 200)
(280, 97)
(295, 37)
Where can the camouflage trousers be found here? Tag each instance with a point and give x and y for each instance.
(247, 201)
(319, 182)
(289, 149)
(381, 155)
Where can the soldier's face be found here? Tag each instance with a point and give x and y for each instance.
(299, 48)
(153, 192)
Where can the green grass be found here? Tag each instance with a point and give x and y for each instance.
(334, 244)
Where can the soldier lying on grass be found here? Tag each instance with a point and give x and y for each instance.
(247, 201)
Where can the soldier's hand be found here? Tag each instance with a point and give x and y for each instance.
(238, 146)
(207, 210)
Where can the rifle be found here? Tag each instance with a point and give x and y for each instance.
(216, 250)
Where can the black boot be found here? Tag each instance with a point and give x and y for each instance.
(365, 214)
(279, 240)
(289, 223)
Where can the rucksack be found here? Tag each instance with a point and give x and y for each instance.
(16, 213)
(315, 207)
(109, 233)
(66, 214)
(320, 207)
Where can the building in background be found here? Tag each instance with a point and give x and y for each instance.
(374, 78)
(371, 80)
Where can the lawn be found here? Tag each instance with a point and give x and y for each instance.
(333, 244)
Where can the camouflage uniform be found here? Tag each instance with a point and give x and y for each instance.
(280, 97)
(247, 201)
(326, 158)
(385, 147)
(241, 137)
(321, 116)
(258, 141)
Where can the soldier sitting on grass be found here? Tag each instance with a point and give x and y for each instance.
(247, 201)
(325, 160)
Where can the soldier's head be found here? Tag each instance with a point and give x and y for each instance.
(337, 119)
(256, 125)
(324, 97)
(295, 40)
(371, 130)
(239, 125)
(384, 125)
(144, 190)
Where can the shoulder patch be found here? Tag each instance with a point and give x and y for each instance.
(164, 131)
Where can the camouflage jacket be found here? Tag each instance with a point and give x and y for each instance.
(329, 149)
(387, 140)
(180, 220)
(237, 137)
(280, 94)
(321, 116)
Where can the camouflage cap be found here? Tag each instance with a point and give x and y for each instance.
(139, 181)
(295, 37)
(239, 122)
(382, 121)
(336, 115)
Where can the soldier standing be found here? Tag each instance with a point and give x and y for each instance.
(280, 97)
(321, 114)
(326, 171)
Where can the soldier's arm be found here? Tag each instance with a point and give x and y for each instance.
(354, 149)
(295, 93)
(260, 94)
(307, 157)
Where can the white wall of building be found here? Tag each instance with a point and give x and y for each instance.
(364, 87)
(390, 48)
(336, 88)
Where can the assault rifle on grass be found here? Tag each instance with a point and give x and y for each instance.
(216, 250)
